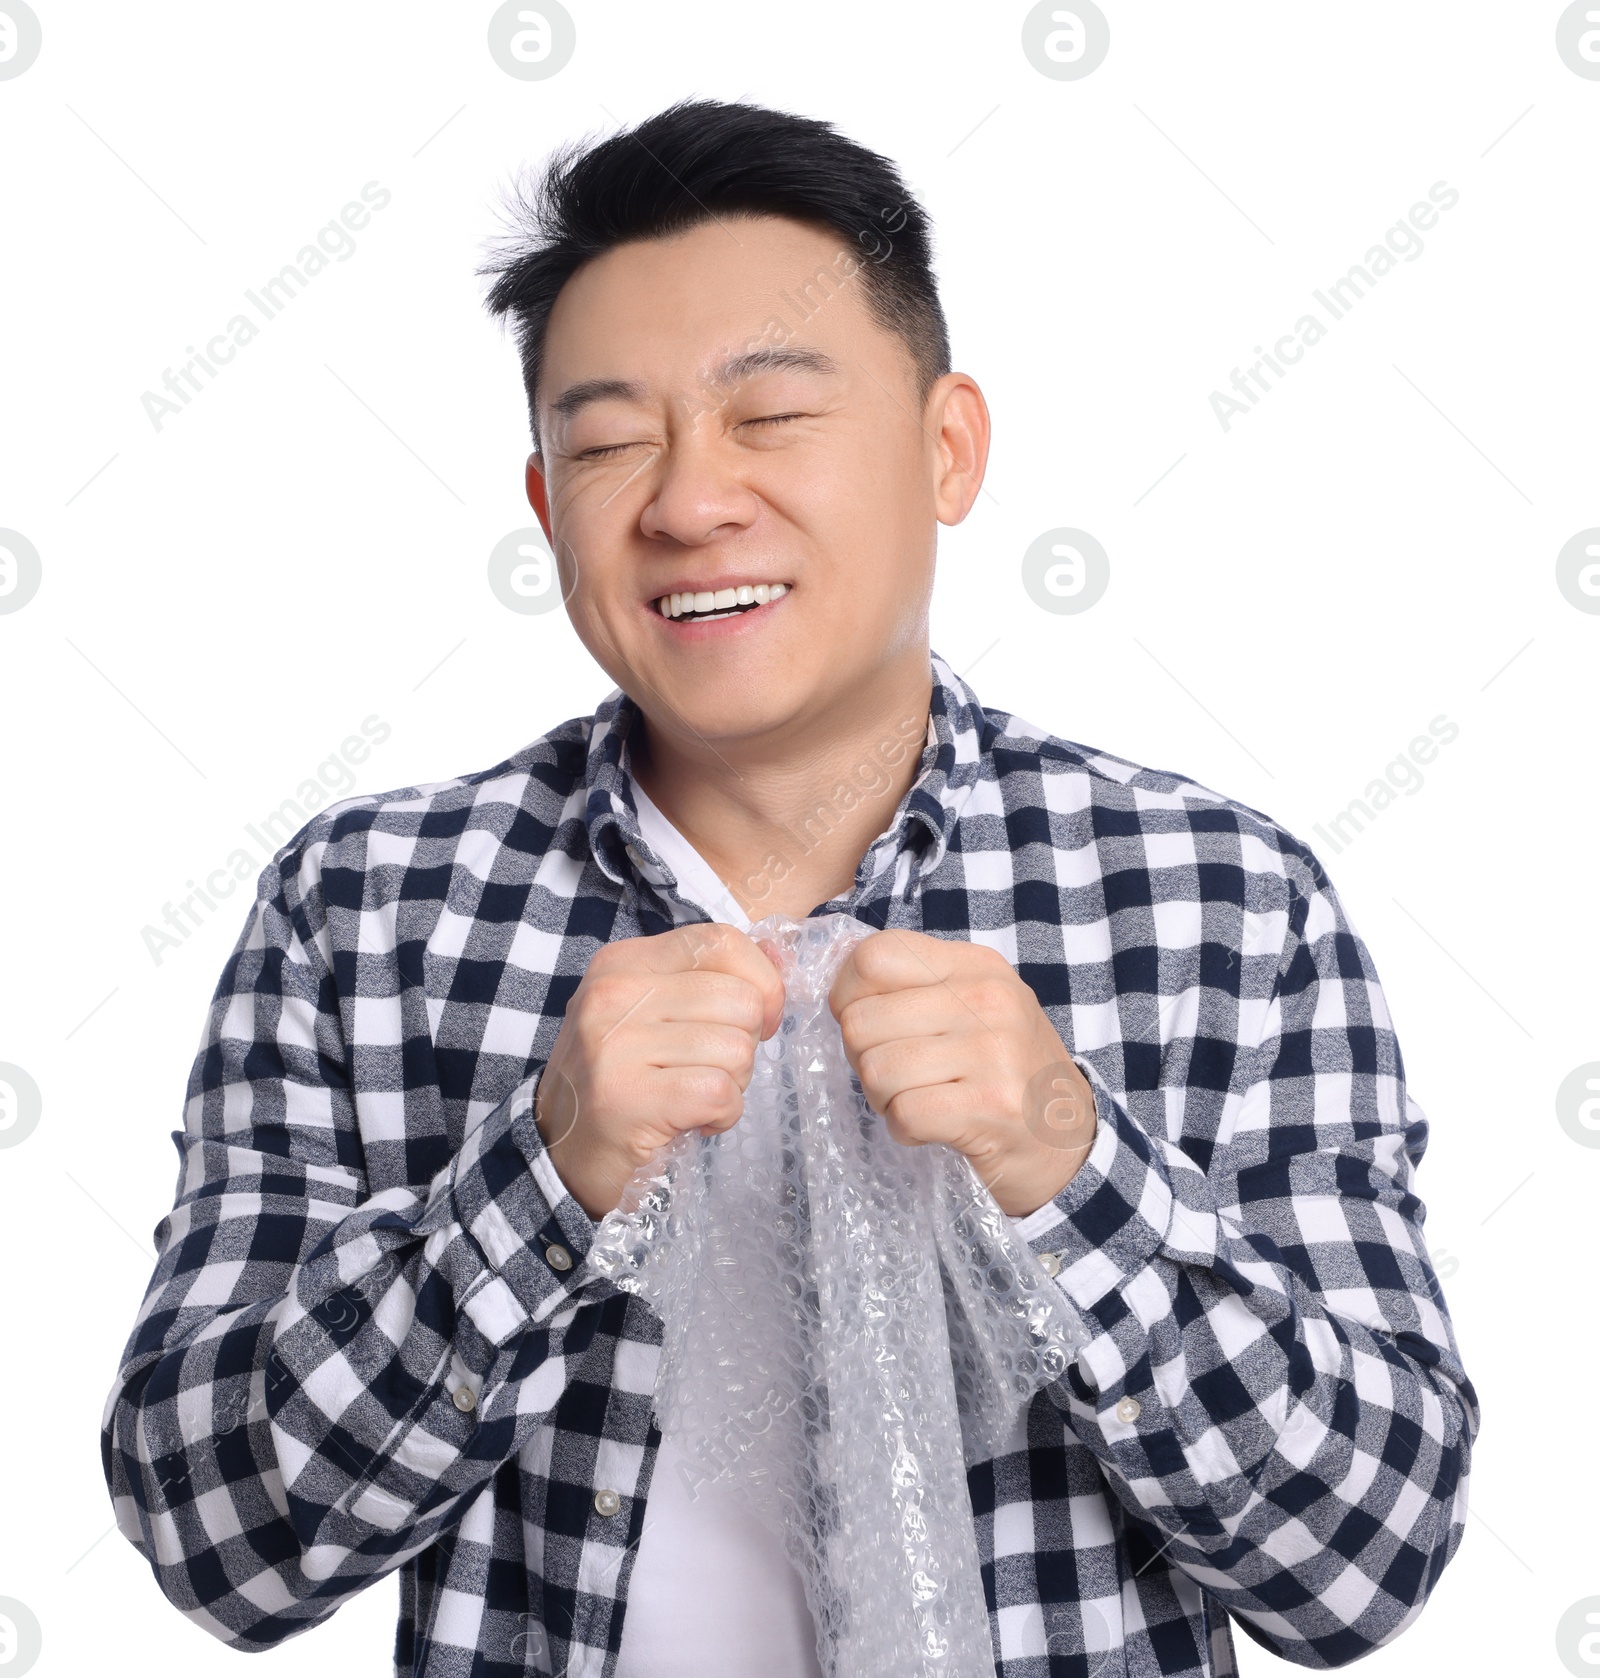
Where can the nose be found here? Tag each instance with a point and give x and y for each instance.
(698, 494)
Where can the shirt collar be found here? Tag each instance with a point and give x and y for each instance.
(923, 823)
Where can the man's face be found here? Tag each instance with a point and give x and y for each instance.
(719, 410)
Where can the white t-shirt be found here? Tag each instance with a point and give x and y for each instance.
(713, 1593)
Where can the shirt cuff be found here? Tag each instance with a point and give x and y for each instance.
(1135, 1199)
(535, 1236)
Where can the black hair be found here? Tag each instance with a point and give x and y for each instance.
(691, 163)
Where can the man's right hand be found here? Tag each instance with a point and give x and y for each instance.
(660, 1037)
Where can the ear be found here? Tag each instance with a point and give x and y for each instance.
(958, 423)
(538, 496)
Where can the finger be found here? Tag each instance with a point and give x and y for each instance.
(698, 1098)
(927, 1011)
(713, 947)
(700, 1043)
(719, 998)
(891, 960)
(932, 1113)
(909, 1063)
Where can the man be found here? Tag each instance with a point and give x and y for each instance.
(460, 1015)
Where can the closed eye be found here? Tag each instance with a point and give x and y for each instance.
(617, 448)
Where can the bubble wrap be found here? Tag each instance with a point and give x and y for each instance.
(848, 1324)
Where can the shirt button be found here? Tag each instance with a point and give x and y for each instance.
(606, 1502)
(1050, 1263)
(465, 1398)
(633, 855)
(1128, 1409)
(558, 1257)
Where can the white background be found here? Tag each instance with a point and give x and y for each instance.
(305, 545)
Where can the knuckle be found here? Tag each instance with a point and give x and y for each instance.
(991, 996)
(724, 1045)
(874, 956)
(702, 940)
(710, 1096)
(601, 988)
(728, 1114)
(746, 1008)
(606, 959)
(904, 1110)
(896, 1125)
(734, 1003)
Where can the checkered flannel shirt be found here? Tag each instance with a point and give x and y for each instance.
(372, 1341)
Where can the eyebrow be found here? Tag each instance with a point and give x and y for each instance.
(732, 370)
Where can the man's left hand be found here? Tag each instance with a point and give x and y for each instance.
(951, 1045)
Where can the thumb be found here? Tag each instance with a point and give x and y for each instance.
(774, 1015)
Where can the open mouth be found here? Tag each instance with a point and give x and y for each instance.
(707, 606)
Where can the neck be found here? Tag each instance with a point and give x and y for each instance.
(784, 817)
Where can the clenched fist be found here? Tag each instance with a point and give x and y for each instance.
(660, 1037)
(950, 1045)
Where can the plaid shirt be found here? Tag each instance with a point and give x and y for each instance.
(372, 1341)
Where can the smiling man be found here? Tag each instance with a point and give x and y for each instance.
(460, 1015)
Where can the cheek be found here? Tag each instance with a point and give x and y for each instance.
(865, 529)
(592, 527)
(603, 625)
(880, 511)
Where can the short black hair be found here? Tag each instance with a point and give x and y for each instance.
(687, 165)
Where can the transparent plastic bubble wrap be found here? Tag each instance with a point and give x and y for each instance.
(849, 1323)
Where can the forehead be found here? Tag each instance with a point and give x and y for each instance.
(665, 311)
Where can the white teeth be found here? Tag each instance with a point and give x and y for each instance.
(722, 600)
